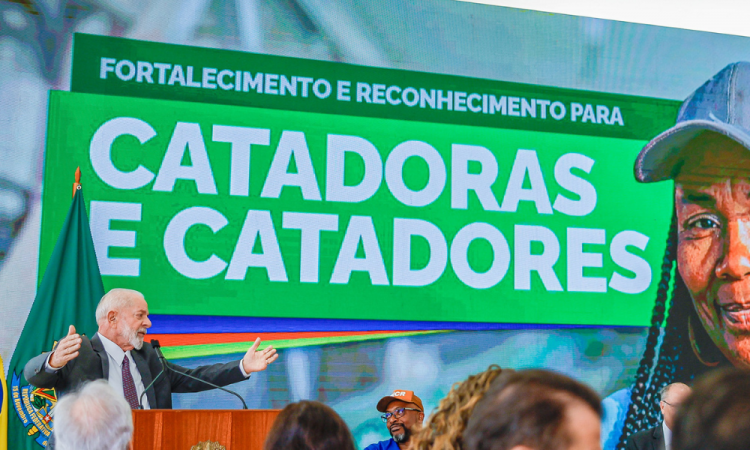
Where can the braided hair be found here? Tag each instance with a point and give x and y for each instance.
(669, 356)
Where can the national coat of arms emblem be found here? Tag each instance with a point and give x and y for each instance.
(35, 407)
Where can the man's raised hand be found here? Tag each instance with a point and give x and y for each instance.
(256, 361)
(66, 349)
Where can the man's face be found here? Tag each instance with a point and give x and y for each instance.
(713, 253)
(132, 323)
(400, 427)
(672, 401)
(583, 427)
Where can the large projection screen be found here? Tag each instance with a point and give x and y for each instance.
(394, 194)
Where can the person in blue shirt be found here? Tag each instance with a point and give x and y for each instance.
(402, 410)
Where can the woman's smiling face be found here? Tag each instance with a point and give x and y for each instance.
(713, 253)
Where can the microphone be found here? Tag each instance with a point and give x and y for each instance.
(157, 347)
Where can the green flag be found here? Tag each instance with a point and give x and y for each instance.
(68, 294)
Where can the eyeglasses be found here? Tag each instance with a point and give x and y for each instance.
(673, 405)
(397, 413)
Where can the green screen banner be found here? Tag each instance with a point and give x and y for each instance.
(210, 208)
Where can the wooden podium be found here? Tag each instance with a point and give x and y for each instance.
(235, 429)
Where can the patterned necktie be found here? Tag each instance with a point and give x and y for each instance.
(128, 385)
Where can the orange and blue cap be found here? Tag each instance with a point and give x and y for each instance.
(400, 395)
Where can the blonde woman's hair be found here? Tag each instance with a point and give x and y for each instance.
(444, 428)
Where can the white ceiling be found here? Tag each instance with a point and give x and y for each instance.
(718, 16)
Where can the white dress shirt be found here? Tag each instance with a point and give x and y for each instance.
(667, 436)
(116, 356)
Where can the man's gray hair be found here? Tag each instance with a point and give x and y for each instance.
(114, 300)
(664, 391)
(93, 418)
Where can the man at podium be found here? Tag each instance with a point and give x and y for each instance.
(118, 354)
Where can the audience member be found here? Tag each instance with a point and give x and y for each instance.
(660, 437)
(717, 414)
(535, 410)
(308, 425)
(93, 418)
(403, 411)
(445, 427)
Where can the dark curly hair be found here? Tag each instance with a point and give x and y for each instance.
(445, 427)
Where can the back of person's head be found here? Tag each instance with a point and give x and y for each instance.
(535, 409)
(93, 418)
(716, 416)
(308, 425)
(445, 427)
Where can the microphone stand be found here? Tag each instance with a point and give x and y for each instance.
(155, 343)
(166, 366)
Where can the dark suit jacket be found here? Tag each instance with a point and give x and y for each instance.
(652, 439)
(92, 363)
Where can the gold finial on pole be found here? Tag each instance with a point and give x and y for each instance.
(77, 184)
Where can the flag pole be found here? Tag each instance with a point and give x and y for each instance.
(77, 183)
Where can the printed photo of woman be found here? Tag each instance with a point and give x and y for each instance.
(701, 317)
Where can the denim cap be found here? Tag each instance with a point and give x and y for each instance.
(721, 105)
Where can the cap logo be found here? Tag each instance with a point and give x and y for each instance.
(406, 395)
